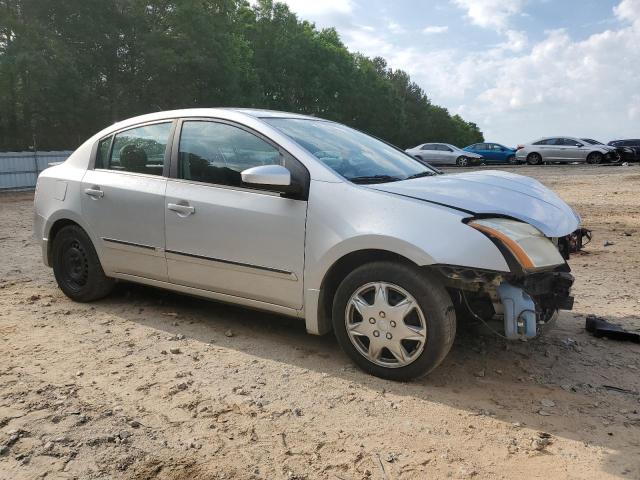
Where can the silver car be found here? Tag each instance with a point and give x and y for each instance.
(444, 154)
(306, 218)
(565, 149)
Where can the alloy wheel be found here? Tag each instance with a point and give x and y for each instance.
(386, 324)
(534, 159)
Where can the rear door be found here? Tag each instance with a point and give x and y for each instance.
(224, 237)
(123, 199)
(429, 153)
(550, 149)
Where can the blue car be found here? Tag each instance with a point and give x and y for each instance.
(493, 152)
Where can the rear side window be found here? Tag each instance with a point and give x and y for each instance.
(216, 153)
(138, 150)
(428, 147)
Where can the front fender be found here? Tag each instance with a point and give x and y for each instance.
(344, 218)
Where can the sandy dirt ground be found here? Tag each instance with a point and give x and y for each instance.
(152, 384)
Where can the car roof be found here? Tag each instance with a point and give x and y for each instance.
(221, 113)
(263, 113)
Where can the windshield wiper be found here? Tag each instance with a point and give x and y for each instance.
(373, 179)
(420, 175)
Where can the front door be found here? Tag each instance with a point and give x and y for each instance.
(123, 200)
(224, 237)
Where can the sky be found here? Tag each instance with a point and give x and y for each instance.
(520, 69)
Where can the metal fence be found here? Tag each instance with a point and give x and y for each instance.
(20, 170)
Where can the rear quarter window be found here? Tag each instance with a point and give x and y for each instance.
(102, 155)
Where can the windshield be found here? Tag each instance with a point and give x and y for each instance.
(350, 153)
(592, 142)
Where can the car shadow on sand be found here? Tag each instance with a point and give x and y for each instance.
(584, 378)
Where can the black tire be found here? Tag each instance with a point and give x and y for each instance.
(76, 266)
(534, 159)
(462, 161)
(511, 159)
(430, 295)
(595, 158)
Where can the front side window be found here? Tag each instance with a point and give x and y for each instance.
(217, 153)
(350, 153)
(545, 141)
(139, 150)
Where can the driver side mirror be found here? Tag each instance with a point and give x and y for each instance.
(270, 177)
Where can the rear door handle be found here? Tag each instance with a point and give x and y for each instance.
(181, 210)
(94, 192)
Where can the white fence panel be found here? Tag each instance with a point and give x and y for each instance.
(21, 169)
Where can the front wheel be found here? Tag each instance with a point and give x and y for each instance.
(512, 160)
(76, 266)
(534, 159)
(393, 320)
(462, 161)
(595, 158)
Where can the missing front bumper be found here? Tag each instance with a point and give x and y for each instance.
(524, 303)
(533, 302)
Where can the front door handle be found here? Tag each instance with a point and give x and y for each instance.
(94, 192)
(181, 210)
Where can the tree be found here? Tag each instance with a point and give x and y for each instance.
(71, 67)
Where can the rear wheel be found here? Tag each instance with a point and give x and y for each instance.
(534, 159)
(393, 320)
(462, 161)
(595, 158)
(76, 266)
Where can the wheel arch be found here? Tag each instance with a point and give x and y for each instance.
(593, 152)
(57, 222)
(337, 273)
(54, 230)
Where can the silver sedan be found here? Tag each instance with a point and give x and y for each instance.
(444, 154)
(565, 149)
(307, 218)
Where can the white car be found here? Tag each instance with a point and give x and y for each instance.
(444, 154)
(307, 218)
(565, 149)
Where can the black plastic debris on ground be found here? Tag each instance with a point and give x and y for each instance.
(599, 327)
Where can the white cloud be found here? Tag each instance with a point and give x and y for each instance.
(520, 89)
(395, 28)
(433, 29)
(516, 41)
(628, 10)
(490, 13)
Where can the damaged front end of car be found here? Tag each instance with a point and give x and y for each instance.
(526, 298)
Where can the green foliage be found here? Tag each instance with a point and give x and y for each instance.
(71, 67)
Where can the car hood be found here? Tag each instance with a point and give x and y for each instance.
(493, 192)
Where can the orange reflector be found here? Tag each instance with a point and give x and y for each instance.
(513, 247)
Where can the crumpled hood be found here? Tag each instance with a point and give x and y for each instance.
(493, 192)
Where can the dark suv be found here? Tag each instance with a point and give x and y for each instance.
(629, 150)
